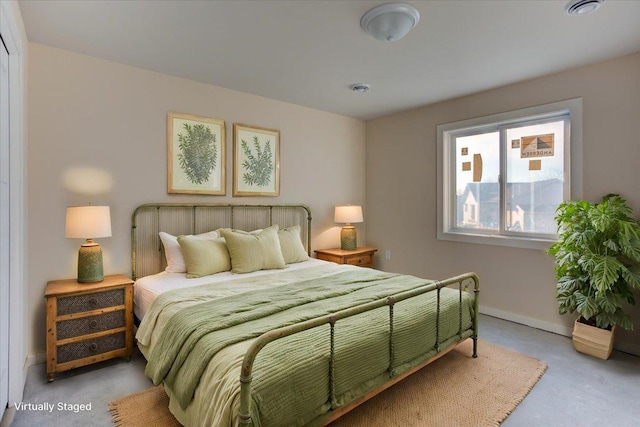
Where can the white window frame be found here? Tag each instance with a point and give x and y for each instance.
(446, 169)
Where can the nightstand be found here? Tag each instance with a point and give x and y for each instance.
(88, 322)
(361, 256)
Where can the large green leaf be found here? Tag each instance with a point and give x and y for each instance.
(568, 285)
(609, 305)
(605, 272)
(604, 320)
(631, 277)
(620, 318)
(630, 228)
(611, 244)
(632, 249)
(626, 323)
(587, 306)
(600, 218)
(588, 261)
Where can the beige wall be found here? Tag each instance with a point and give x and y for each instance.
(86, 112)
(516, 283)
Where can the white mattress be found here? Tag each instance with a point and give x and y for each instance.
(147, 289)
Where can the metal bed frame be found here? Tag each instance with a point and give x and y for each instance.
(463, 281)
(148, 258)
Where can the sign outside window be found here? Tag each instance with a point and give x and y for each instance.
(537, 146)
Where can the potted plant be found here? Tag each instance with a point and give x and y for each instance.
(597, 259)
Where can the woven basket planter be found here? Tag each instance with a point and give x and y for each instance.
(593, 341)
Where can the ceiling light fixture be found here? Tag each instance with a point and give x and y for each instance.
(390, 21)
(582, 7)
(360, 87)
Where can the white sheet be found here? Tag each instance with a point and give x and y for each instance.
(147, 289)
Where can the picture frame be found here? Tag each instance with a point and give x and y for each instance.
(195, 155)
(256, 161)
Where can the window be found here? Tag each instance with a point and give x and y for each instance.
(503, 176)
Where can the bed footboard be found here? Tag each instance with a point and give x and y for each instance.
(467, 282)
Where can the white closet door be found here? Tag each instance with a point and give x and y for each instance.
(4, 227)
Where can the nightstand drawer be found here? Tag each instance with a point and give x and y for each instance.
(362, 260)
(91, 347)
(89, 325)
(88, 302)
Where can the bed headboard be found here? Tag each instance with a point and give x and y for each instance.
(147, 252)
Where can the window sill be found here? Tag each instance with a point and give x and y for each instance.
(497, 240)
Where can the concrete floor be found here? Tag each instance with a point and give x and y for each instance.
(576, 390)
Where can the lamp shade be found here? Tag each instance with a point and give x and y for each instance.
(390, 21)
(348, 214)
(88, 222)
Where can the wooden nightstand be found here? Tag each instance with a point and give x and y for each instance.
(362, 256)
(88, 322)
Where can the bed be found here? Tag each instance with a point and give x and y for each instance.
(298, 344)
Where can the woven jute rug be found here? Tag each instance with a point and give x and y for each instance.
(455, 390)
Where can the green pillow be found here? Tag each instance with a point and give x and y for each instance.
(204, 257)
(252, 252)
(291, 245)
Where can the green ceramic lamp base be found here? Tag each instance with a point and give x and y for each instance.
(348, 238)
(90, 263)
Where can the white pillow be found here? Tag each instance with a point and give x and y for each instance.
(173, 253)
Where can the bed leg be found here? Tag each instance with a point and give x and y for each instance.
(244, 413)
(476, 292)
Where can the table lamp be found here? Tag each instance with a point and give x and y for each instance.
(348, 215)
(88, 222)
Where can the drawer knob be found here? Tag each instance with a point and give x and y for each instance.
(93, 302)
(93, 347)
(93, 324)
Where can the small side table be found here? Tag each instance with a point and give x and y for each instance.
(361, 256)
(88, 322)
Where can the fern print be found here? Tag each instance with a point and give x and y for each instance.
(259, 167)
(198, 152)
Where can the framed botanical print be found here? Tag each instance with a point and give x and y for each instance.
(256, 161)
(195, 155)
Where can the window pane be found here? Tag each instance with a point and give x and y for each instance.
(477, 188)
(535, 163)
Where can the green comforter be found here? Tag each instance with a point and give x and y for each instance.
(191, 338)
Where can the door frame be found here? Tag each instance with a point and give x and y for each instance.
(5, 209)
(15, 39)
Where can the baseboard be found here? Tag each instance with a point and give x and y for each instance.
(527, 321)
(8, 416)
(29, 361)
(34, 359)
(567, 331)
(627, 347)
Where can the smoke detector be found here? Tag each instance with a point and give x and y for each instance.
(360, 87)
(582, 7)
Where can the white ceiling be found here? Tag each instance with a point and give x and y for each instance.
(309, 52)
